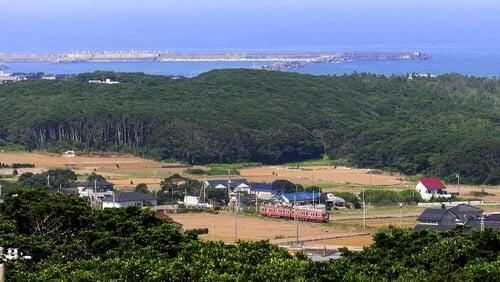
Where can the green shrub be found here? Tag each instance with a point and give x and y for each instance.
(387, 197)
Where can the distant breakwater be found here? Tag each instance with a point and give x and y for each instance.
(343, 57)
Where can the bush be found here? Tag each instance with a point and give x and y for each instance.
(386, 197)
(195, 171)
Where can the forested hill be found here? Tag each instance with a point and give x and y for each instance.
(437, 126)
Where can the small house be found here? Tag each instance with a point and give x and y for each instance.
(95, 190)
(265, 191)
(429, 187)
(436, 219)
(333, 201)
(69, 154)
(235, 185)
(127, 199)
(96, 186)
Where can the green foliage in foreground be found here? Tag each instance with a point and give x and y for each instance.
(53, 178)
(71, 242)
(440, 126)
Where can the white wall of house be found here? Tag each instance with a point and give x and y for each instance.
(121, 204)
(191, 201)
(263, 195)
(427, 195)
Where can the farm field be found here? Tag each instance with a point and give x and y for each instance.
(346, 224)
(222, 227)
(126, 171)
(345, 228)
(319, 174)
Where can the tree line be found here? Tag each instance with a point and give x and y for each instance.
(436, 126)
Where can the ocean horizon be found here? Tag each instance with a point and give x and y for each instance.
(482, 63)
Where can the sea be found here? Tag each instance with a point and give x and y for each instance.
(460, 36)
(486, 64)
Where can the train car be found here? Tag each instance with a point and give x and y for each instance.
(305, 214)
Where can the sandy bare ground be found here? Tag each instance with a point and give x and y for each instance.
(321, 174)
(54, 160)
(122, 170)
(127, 171)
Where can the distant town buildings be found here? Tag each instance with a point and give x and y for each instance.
(106, 81)
(15, 77)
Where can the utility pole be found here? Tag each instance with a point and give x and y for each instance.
(400, 214)
(236, 217)
(458, 182)
(482, 223)
(364, 210)
(204, 191)
(314, 206)
(48, 180)
(228, 185)
(296, 216)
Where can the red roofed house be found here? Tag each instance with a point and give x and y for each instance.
(429, 187)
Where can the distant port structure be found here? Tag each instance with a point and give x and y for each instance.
(277, 61)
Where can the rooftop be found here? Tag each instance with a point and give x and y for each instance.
(223, 182)
(432, 214)
(301, 196)
(432, 183)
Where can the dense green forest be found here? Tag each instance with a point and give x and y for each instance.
(69, 241)
(441, 126)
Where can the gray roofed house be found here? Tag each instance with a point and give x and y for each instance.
(463, 214)
(466, 212)
(476, 224)
(437, 217)
(492, 217)
(126, 199)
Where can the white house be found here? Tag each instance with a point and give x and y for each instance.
(265, 191)
(429, 187)
(97, 188)
(235, 185)
(127, 199)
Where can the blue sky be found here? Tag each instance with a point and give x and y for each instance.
(201, 25)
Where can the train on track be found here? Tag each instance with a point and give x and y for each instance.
(304, 214)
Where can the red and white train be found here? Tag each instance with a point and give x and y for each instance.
(305, 214)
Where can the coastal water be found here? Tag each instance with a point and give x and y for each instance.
(470, 63)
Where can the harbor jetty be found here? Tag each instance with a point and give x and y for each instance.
(344, 57)
(272, 61)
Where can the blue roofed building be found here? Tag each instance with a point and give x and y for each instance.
(302, 198)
